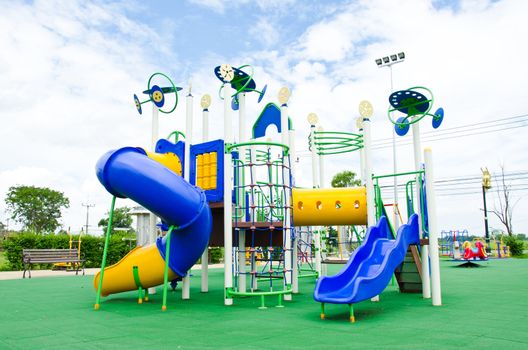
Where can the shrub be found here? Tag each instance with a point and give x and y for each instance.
(91, 248)
(516, 245)
(216, 254)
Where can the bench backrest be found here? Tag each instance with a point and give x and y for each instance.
(44, 255)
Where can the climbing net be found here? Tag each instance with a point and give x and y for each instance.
(262, 218)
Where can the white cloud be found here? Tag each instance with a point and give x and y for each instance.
(73, 66)
(470, 58)
(266, 31)
(69, 77)
(215, 5)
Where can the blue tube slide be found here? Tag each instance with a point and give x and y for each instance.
(370, 268)
(129, 173)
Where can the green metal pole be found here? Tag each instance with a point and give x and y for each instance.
(105, 253)
(262, 305)
(166, 275)
(322, 311)
(352, 318)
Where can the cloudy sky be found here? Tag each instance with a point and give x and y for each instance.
(68, 70)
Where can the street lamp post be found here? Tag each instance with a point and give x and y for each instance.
(486, 185)
(389, 61)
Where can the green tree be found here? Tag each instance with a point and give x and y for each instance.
(38, 209)
(345, 179)
(121, 219)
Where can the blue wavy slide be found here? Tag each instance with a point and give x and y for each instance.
(130, 173)
(370, 268)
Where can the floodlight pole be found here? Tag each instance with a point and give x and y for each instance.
(394, 164)
(394, 160)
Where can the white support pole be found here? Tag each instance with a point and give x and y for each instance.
(295, 257)
(205, 254)
(228, 183)
(426, 282)
(363, 174)
(186, 286)
(371, 206)
(433, 229)
(252, 214)
(287, 225)
(153, 220)
(241, 193)
(315, 179)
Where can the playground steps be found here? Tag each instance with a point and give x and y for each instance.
(409, 273)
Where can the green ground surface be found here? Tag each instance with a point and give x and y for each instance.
(484, 308)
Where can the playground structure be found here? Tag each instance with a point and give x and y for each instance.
(242, 196)
(451, 244)
(73, 244)
(451, 241)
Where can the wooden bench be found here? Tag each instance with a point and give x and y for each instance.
(51, 256)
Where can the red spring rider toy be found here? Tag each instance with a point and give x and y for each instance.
(473, 253)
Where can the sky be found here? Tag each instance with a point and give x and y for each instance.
(69, 69)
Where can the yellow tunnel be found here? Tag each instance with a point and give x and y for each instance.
(332, 206)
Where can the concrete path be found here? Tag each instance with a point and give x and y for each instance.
(13, 275)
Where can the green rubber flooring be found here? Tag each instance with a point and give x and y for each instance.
(484, 308)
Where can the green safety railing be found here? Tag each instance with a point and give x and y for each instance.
(334, 142)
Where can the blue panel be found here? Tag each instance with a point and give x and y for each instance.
(157, 89)
(165, 146)
(402, 127)
(270, 115)
(129, 173)
(370, 268)
(438, 118)
(216, 195)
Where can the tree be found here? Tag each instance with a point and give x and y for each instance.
(345, 179)
(37, 208)
(121, 219)
(505, 210)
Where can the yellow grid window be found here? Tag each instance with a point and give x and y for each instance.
(206, 171)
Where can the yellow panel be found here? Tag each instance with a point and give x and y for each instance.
(206, 170)
(335, 206)
(170, 160)
(212, 183)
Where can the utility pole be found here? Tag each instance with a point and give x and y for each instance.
(88, 206)
(486, 185)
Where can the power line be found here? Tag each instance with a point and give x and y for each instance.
(466, 126)
(407, 143)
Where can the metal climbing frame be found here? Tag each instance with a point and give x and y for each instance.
(263, 234)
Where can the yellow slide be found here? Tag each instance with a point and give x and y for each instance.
(120, 276)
